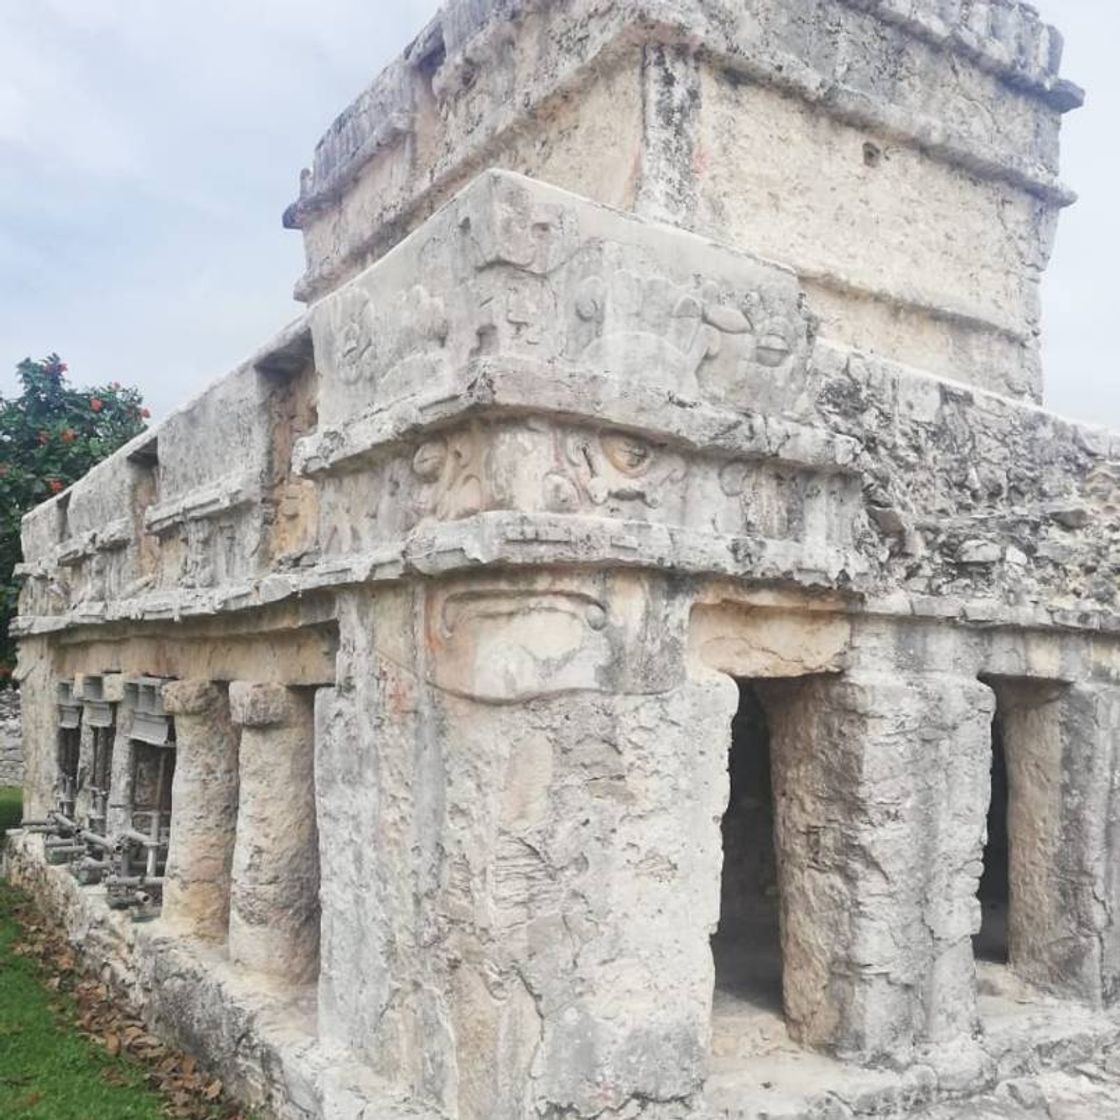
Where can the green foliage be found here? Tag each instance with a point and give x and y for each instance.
(48, 1071)
(11, 809)
(50, 435)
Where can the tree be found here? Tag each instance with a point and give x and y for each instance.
(50, 435)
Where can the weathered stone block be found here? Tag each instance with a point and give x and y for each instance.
(274, 894)
(196, 893)
(544, 517)
(1061, 743)
(881, 791)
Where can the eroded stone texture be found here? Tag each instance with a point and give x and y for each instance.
(1061, 747)
(541, 516)
(881, 791)
(11, 749)
(812, 132)
(274, 904)
(196, 895)
(523, 808)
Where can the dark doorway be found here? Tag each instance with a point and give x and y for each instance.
(69, 753)
(747, 946)
(991, 944)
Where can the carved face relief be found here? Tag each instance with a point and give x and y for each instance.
(429, 460)
(772, 326)
(450, 471)
(628, 454)
(615, 468)
(770, 335)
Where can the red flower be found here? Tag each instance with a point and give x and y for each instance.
(56, 487)
(68, 435)
(97, 404)
(146, 413)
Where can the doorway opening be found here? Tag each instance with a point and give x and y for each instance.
(747, 945)
(992, 943)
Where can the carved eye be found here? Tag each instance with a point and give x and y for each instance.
(772, 350)
(591, 300)
(628, 454)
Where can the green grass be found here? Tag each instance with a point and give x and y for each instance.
(47, 1070)
(11, 807)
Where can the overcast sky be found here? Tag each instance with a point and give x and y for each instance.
(148, 148)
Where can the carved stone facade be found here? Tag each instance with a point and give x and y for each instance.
(634, 646)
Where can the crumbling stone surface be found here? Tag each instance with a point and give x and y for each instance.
(658, 353)
(850, 116)
(885, 772)
(11, 744)
(274, 888)
(205, 793)
(1090, 1091)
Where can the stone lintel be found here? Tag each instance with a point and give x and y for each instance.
(261, 705)
(190, 698)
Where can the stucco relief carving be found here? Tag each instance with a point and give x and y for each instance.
(197, 561)
(611, 471)
(512, 227)
(396, 344)
(507, 273)
(450, 470)
(705, 340)
(548, 466)
(513, 644)
(770, 499)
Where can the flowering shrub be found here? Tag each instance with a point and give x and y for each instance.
(50, 435)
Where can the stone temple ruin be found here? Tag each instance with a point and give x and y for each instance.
(635, 646)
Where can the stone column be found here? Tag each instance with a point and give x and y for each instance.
(521, 844)
(120, 785)
(82, 799)
(38, 689)
(881, 785)
(1062, 744)
(204, 810)
(274, 903)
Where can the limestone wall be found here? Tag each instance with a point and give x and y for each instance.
(11, 746)
(816, 133)
(420, 638)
